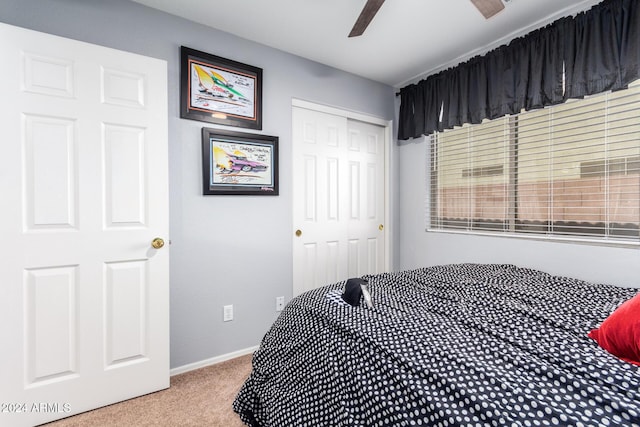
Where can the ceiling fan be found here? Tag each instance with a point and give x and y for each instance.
(488, 8)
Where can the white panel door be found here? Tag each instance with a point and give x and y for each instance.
(83, 181)
(365, 198)
(339, 197)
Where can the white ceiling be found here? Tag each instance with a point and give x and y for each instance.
(407, 40)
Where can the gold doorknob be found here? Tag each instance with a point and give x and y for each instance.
(157, 243)
(298, 233)
(381, 227)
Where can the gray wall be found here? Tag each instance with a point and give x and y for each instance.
(225, 250)
(600, 264)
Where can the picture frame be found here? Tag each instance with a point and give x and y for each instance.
(239, 163)
(218, 90)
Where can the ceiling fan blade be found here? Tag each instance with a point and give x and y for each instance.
(368, 12)
(488, 8)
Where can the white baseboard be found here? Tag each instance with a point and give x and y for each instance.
(212, 361)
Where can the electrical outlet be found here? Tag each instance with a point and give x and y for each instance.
(228, 313)
(279, 303)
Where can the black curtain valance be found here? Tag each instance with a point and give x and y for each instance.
(595, 51)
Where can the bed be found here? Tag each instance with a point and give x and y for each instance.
(451, 345)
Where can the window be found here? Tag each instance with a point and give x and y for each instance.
(571, 170)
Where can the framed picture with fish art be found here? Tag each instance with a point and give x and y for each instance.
(239, 163)
(219, 90)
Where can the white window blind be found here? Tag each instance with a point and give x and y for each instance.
(571, 170)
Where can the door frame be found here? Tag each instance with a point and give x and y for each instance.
(388, 126)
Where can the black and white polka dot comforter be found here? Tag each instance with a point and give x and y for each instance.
(456, 345)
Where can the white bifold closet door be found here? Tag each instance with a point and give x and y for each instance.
(339, 198)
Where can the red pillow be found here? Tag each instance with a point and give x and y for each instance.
(619, 334)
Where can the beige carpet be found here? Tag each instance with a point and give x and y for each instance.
(198, 398)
